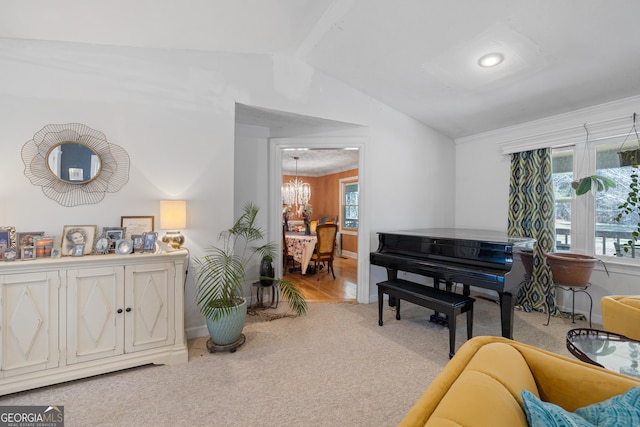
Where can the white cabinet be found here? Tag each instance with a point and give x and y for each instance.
(95, 313)
(148, 315)
(68, 318)
(29, 322)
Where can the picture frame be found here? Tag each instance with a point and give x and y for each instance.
(26, 238)
(149, 242)
(77, 234)
(43, 246)
(137, 225)
(28, 253)
(8, 236)
(9, 254)
(103, 244)
(55, 252)
(78, 249)
(138, 242)
(114, 234)
(124, 246)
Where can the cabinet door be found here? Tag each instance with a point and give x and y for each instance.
(95, 313)
(29, 322)
(149, 323)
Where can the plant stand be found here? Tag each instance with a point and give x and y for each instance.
(573, 290)
(231, 348)
(275, 294)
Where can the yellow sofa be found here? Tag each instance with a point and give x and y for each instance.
(481, 385)
(621, 314)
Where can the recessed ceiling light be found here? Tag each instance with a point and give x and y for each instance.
(491, 59)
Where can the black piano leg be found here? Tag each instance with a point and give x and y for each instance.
(507, 302)
(398, 309)
(380, 304)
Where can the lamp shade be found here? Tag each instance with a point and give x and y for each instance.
(173, 214)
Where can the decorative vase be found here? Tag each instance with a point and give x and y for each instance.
(266, 270)
(228, 328)
(307, 227)
(573, 270)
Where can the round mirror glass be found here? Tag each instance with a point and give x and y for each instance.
(73, 163)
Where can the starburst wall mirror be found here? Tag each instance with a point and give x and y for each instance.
(74, 164)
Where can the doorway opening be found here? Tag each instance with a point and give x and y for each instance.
(322, 182)
(260, 133)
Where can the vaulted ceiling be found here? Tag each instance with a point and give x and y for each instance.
(418, 56)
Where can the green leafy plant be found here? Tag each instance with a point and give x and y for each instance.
(222, 272)
(631, 206)
(597, 182)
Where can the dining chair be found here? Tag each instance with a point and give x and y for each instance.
(285, 254)
(326, 246)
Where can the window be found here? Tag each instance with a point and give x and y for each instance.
(350, 205)
(611, 234)
(562, 172)
(587, 223)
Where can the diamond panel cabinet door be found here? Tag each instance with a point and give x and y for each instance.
(29, 322)
(95, 313)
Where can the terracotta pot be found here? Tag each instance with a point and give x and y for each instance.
(573, 270)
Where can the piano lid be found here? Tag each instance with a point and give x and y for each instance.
(489, 236)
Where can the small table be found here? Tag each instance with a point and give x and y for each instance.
(301, 246)
(605, 349)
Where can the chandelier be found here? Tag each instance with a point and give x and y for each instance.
(296, 193)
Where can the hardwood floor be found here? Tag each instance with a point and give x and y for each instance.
(327, 289)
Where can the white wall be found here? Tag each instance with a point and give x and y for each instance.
(173, 112)
(482, 188)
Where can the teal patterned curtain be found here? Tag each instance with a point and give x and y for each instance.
(531, 214)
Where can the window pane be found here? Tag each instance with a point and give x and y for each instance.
(611, 236)
(350, 205)
(562, 174)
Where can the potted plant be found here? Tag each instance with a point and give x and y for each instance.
(570, 269)
(222, 273)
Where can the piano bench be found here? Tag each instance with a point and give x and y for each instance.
(445, 302)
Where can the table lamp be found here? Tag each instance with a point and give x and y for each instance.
(173, 216)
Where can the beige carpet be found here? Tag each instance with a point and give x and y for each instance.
(334, 366)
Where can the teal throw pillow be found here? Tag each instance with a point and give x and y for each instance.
(621, 410)
(545, 414)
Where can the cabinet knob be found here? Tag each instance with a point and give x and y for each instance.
(128, 309)
(119, 311)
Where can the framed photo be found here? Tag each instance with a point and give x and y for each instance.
(27, 253)
(124, 246)
(138, 242)
(103, 243)
(137, 225)
(73, 235)
(8, 236)
(9, 254)
(114, 234)
(78, 249)
(27, 239)
(55, 253)
(149, 244)
(43, 246)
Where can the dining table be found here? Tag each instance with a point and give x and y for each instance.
(300, 246)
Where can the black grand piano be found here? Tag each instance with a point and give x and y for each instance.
(486, 259)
